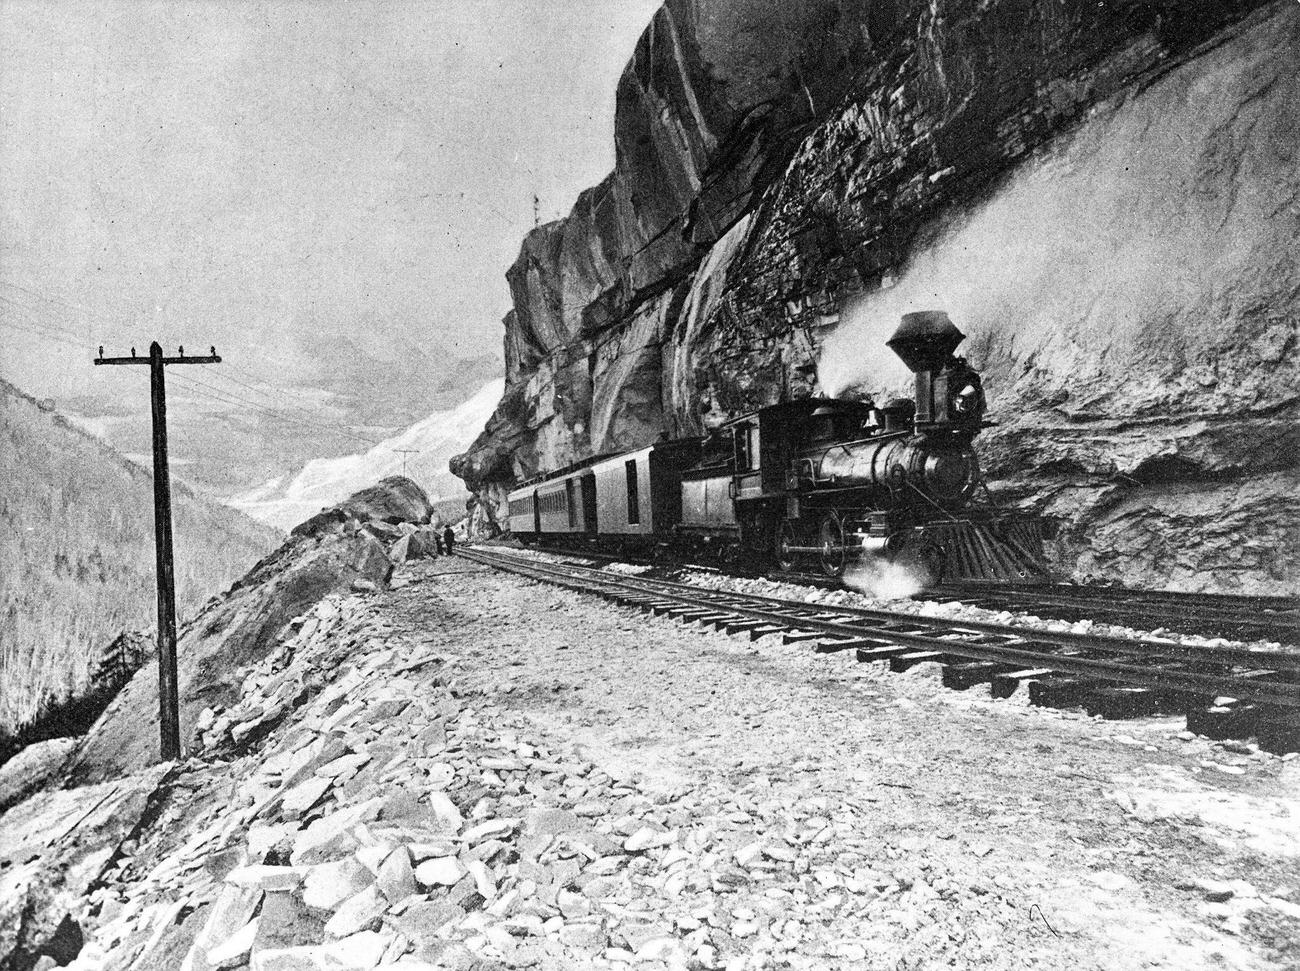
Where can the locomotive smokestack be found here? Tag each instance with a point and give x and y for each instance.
(925, 340)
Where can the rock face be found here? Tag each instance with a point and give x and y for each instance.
(1099, 196)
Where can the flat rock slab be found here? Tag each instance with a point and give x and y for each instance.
(53, 847)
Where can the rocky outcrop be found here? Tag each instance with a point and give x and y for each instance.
(347, 547)
(1100, 196)
(58, 842)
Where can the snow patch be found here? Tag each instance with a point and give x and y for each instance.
(288, 499)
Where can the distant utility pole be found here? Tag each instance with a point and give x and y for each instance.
(404, 453)
(168, 694)
(537, 211)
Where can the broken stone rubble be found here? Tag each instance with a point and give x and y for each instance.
(334, 823)
(544, 858)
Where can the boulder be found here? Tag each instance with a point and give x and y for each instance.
(358, 913)
(442, 871)
(31, 768)
(53, 846)
(322, 557)
(399, 551)
(396, 878)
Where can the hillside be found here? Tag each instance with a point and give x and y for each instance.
(76, 541)
(462, 769)
(430, 443)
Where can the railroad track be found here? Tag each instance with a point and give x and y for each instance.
(1236, 616)
(1233, 616)
(1225, 691)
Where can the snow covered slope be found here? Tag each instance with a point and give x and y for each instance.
(289, 499)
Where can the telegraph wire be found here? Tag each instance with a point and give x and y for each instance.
(282, 393)
(48, 298)
(212, 393)
(44, 319)
(224, 397)
(275, 417)
(44, 323)
(33, 329)
(36, 318)
(305, 415)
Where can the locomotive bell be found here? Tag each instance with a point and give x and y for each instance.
(925, 340)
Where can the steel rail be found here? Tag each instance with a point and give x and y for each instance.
(1189, 612)
(1110, 591)
(857, 627)
(1225, 655)
(1135, 601)
(1238, 616)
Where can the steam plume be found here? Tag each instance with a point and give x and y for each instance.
(1106, 246)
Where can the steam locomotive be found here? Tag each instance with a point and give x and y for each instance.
(819, 483)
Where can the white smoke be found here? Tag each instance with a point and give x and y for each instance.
(1084, 252)
(885, 579)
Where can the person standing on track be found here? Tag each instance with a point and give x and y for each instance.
(449, 540)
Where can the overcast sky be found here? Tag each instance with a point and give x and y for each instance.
(272, 176)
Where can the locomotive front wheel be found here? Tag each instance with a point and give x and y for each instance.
(831, 540)
(785, 540)
(934, 560)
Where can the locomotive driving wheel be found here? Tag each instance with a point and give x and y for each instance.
(830, 538)
(784, 541)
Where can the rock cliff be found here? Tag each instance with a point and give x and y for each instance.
(1101, 195)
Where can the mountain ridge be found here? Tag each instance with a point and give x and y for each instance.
(288, 499)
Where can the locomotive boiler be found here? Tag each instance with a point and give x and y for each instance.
(816, 483)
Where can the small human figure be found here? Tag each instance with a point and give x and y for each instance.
(449, 540)
(966, 389)
(437, 540)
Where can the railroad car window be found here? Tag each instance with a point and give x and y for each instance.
(746, 448)
(633, 496)
(571, 499)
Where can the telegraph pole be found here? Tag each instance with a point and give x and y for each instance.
(168, 693)
(404, 452)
